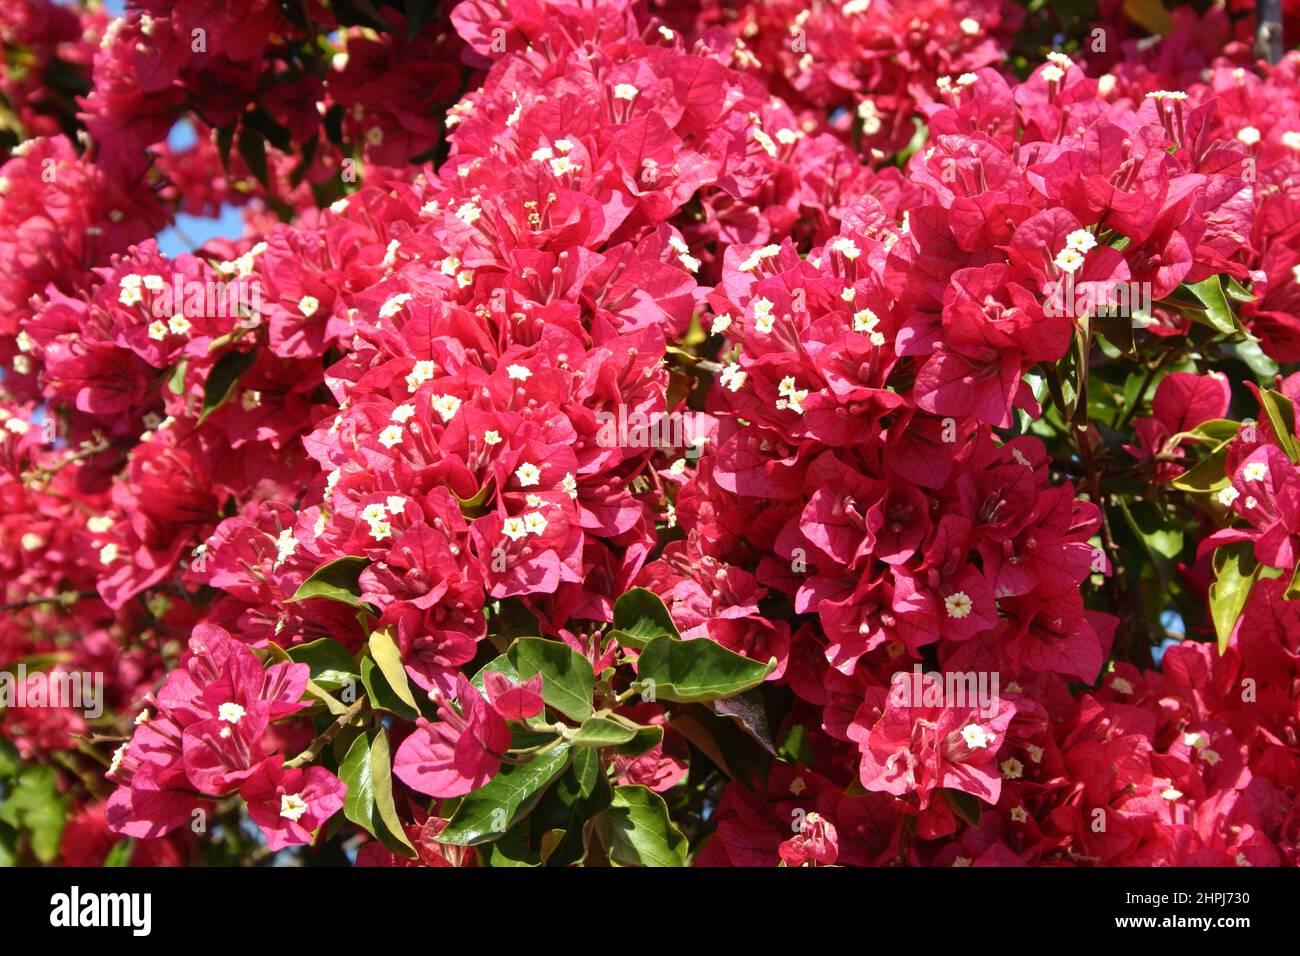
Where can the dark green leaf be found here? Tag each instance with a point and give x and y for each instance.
(223, 378)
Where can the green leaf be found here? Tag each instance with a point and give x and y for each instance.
(120, 854)
(567, 678)
(337, 580)
(37, 808)
(1215, 431)
(331, 665)
(10, 762)
(569, 806)
(963, 804)
(1239, 292)
(252, 148)
(386, 654)
(487, 813)
(640, 616)
(1293, 589)
(1236, 571)
(694, 671)
(176, 378)
(1160, 533)
(605, 730)
(367, 771)
(223, 378)
(1217, 312)
(381, 694)
(1281, 416)
(1207, 475)
(641, 832)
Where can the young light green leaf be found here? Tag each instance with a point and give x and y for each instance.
(389, 659)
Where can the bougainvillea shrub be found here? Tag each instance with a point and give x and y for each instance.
(658, 433)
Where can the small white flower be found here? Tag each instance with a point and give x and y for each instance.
(1012, 768)
(179, 325)
(1248, 135)
(1291, 139)
(534, 522)
(308, 305)
(403, 413)
(1069, 259)
(157, 330)
(969, 26)
(1082, 240)
(446, 406)
(108, 553)
(1053, 74)
(514, 528)
(391, 436)
(285, 545)
(491, 437)
(230, 712)
(1228, 495)
(958, 605)
(733, 377)
(395, 504)
(625, 91)
(422, 372)
(1256, 471)
(394, 305)
(469, 213)
(976, 737)
(865, 320)
(720, 323)
(292, 806)
(569, 485)
(528, 474)
(518, 373)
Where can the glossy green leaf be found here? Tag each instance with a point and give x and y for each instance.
(389, 659)
(337, 580)
(1216, 311)
(640, 616)
(1281, 416)
(1236, 573)
(604, 730)
(640, 830)
(486, 814)
(693, 671)
(381, 693)
(367, 771)
(222, 380)
(331, 665)
(567, 678)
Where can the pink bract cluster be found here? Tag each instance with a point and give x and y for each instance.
(826, 242)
